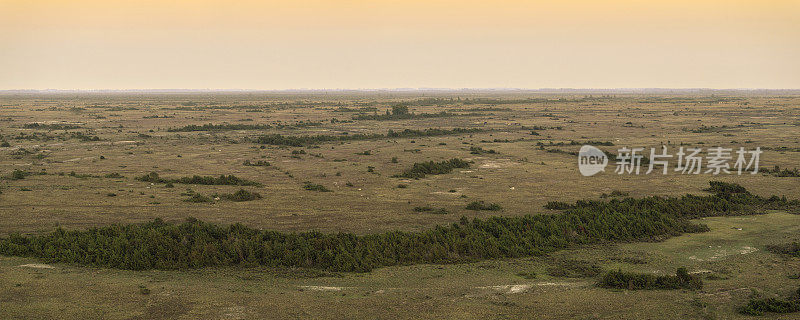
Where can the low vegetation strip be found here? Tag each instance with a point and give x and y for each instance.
(231, 180)
(194, 244)
(304, 140)
(757, 307)
(421, 169)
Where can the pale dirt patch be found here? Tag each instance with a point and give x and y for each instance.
(497, 164)
(322, 288)
(510, 288)
(37, 266)
(722, 253)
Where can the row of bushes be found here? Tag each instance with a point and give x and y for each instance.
(421, 169)
(639, 281)
(304, 140)
(232, 180)
(408, 116)
(238, 196)
(230, 126)
(192, 244)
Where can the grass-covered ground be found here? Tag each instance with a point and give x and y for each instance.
(735, 267)
(77, 170)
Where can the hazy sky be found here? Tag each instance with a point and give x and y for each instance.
(294, 44)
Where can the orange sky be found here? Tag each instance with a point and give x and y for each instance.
(392, 44)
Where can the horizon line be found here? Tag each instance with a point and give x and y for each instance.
(398, 89)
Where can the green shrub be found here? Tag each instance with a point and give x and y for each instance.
(316, 187)
(420, 170)
(757, 307)
(480, 205)
(791, 249)
(259, 163)
(19, 174)
(241, 195)
(198, 198)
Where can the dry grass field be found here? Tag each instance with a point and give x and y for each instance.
(72, 160)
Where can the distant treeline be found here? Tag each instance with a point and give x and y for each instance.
(51, 126)
(229, 126)
(304, 140)
(232, 180)
(194, 244)
(407, 116)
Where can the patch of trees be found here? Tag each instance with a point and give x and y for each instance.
(51, 126)
(479, 150)
(778, 172)
(194, 244)
(431, 210)
(644, 281)
(757, 307)
(575, 143)
(231, 180)
(220, 127)
(481, 205)
(790, 249)
(421, 169)
(259, 163)
(304, 140)
(242, 126)
(402, 113)
(315, 187)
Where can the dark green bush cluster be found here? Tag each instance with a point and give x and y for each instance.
(259, 163)
(638, 281)
(52, 126)
(239, 196)
(198, 198)
(479, 150)
(757, 307)
(204, 180)
(406, 116)
(304, 140)
(431, 210)
(792, 249)
(315, 187)
(84, 137)
(421, 169)
(778, 172)
(18, 174)
(220, 127)
(192, 244)
(614, 194)
(480, 205)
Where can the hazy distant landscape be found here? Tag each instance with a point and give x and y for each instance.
(388, 203)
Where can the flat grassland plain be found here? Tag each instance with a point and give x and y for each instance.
(72, 160)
